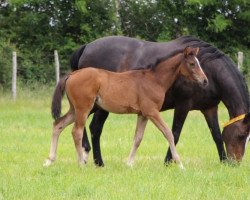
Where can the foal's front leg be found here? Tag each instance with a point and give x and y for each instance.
(162, 126)
(58, 127)
(139, 132)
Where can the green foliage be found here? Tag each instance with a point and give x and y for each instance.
(141, 18)
(37, 27)
(218, 24)
(5, 63)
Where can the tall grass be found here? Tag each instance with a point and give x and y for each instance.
(25, 132)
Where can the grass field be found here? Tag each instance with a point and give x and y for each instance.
(25, 131)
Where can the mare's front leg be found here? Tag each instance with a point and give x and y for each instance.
(162, 126)
(139, 132)
(211, 116)
(96, 127)
(59, 125)
(180, 115)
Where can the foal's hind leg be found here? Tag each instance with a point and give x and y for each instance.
(81, 116)
(162, 126)
(139, 132)
(58, 127)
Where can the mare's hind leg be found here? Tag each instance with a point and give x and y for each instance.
(96, 127)
(58, 126)
(139, 132)
(162, 126)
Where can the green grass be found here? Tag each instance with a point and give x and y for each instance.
(25, 131)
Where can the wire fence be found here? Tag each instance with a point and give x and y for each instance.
(55, 59)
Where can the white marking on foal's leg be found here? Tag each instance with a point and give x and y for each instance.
(140, 128)
(162, 126)
(85, 155)
(58, 127)
(181, 166)
(47, 162)
(131, 158)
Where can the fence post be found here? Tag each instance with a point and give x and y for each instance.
(57, 66)
(240, 60)
(14, 72)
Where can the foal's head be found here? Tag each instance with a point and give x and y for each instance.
(190, 66)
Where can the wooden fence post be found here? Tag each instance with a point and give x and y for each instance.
(14, 72)
(240, 60)
(57, 66)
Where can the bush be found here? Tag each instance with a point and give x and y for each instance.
(36, 67)
(6, 50)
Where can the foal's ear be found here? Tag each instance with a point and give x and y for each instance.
(246, 119)
(187, 51)
(196, 51)
(191, 51)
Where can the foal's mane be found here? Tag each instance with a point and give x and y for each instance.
(209, 53)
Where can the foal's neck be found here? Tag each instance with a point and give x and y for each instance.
(168, 70)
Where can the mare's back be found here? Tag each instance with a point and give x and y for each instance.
(119, 53)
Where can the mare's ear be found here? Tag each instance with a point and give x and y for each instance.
(246, 119)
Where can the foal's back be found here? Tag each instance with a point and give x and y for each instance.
(125, 92)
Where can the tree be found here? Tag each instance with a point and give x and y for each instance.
(39, 27)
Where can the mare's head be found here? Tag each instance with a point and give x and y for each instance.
(236, 136)
(190, 67)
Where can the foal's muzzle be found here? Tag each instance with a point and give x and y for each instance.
(205, 83)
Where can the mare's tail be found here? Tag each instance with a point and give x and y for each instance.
(56, 105)
(75, 58)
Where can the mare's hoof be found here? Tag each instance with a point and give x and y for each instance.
(168, 162)
(47, 163)
(99, 163)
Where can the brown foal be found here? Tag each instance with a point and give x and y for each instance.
(140, 92)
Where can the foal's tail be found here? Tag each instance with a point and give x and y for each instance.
(56, 105)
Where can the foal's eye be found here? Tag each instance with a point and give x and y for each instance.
(192, 65)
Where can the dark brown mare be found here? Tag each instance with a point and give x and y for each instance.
(226, 84)
(122, 93)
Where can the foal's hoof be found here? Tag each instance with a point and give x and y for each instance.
(85, 156)
(47, 163)
(181, 166)
(82, 163)
(130, 163)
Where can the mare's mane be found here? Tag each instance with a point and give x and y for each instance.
(209, 53)
(152, 66)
